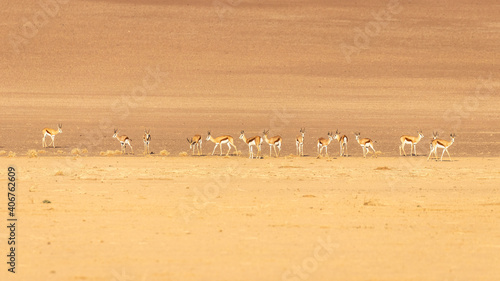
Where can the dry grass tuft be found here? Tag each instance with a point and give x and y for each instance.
(183, 154)
(42, 151)
(372, 202)
(164, 153)
(76, 151)
(384, 168)
(3, 152)
(85, 151)
(59, 173)
(110, 153)
(11, 154)
(60, 152)
(32, 153)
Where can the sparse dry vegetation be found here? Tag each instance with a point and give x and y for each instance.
(110, 153)
(183, 154)
(32, 153)
(11, 154)
(164, 153)
(76, 151)
(59, 173)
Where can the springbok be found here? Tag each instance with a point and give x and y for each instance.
(323, 143)
(299, 142)
(412, 141)
(195, 142)
(273, 142)
(124, 140)
(220, 141)
(254, 141)
(365, 144)
(146, 139)
(52, 134)
(435, 135)
(343, 143)
(440, 143)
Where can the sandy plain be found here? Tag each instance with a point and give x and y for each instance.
(218, 218)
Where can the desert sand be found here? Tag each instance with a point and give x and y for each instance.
(179, 68)
(218, 218)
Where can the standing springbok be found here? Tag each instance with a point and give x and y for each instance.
(257, 141)
(323, 143)
(273, 142)
(435, 135)
(146, 139)
(365, 144)
(412, 141)
(52, 134)
(299, 142)
(220, 141)
(124, 140)
(195, 142)
(343, 143)
(440, 143)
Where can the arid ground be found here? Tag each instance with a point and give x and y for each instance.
(383, 68)
(216, 218)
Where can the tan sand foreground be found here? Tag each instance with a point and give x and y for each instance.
(217, 218)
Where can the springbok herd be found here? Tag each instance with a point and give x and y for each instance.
(276, 141)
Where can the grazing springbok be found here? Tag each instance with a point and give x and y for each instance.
(52, 134)
(124, 140)
(343, 143)
(254, 141)
(412, 141)
(323, 143)
(146, 139)
(299, 142)
(365, 144)
(195, 142)
(220, 141)
(273, 142)
(440, 143)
